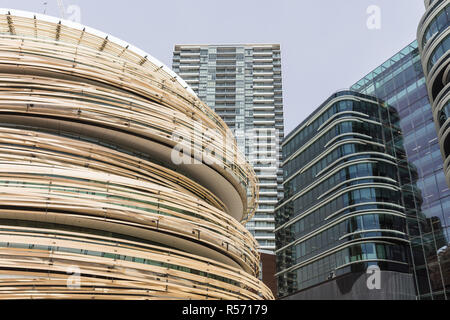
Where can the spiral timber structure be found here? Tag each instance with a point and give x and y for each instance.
(92, 204)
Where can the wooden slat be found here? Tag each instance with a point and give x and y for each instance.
(69, 200)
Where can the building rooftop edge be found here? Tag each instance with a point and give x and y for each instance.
(336, 94)
(226, 44)
(78, 26)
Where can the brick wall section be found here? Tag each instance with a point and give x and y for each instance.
(268, 271)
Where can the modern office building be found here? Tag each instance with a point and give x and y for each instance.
(347, 199)
(94, 201)
(400, 82)
(242, 84)
(433, 37)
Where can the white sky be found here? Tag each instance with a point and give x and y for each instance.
(325, 44)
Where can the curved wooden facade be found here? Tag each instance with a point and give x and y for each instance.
(87, 183)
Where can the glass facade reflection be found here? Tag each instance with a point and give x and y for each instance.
(401, 83)
(349, 194)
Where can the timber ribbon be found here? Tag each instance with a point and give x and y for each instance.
(86, 178)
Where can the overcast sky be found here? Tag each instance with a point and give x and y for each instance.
(325, 44)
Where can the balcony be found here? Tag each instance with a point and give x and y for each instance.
(263, 108)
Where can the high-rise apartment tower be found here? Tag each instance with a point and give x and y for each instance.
(242, 84)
